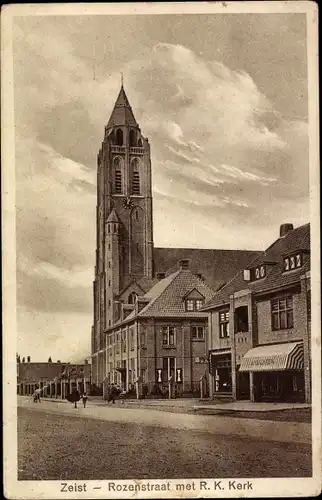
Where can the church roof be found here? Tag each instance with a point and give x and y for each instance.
(217, 267)
(113, 217)
(122, 113)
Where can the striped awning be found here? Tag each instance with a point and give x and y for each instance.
(276, 357)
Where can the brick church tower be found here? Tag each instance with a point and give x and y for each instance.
(124, 245)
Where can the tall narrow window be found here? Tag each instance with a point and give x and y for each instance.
(119, 137)
(132, 138)
(136, 189)
(118, 188)
(224, 324)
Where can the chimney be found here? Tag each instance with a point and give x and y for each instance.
(285, 229)
(160, 276)
(184, 264)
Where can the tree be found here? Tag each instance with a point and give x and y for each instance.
(18, 358)
(49, 359)
(73, 397)
(28, 359)
(23, 360)
(58, 361)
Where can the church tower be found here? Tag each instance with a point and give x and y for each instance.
(124, 245)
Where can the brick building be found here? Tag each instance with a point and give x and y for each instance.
(52, 379)
(163, 336)
(127, 263)
(259, 325)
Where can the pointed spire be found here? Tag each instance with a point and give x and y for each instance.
(122, 113)
(113, 216)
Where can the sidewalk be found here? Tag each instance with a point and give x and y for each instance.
(193, 404)
(266, 430)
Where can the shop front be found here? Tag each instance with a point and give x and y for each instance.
(275, 372)
(221, 371)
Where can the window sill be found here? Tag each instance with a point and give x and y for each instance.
(169, 346)
(143, 347)
(197, 340)
(283, 329)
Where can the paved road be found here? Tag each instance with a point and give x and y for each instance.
(287, 432)
(57, 446)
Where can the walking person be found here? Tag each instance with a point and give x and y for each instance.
(84, 399)
(112, 393)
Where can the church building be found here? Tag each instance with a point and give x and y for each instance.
(127, 263)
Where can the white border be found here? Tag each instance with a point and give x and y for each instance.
(291, 487)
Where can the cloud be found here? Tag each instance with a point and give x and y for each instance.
(224, 158)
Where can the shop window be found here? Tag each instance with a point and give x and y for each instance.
(168, 335)
(241, 316)
(197, 333)
(224, 324)
(282, 313)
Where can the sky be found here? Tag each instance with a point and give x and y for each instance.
(223, 101)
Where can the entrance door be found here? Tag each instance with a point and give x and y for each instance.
(243, 391)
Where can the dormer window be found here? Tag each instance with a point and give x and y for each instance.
(193, 304)
(292, 262)
(260, 272)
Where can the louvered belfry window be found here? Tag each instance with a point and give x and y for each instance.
(136, 190)
(118, 176)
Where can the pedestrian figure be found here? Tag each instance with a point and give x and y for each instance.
(37, 397)
(112, 394)
(84, 398)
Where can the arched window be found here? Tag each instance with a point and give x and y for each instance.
(119, 137)
(135, 183)
(132, 138)
(132, 297)
(118, 185)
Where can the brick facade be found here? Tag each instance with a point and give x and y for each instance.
(254, 302)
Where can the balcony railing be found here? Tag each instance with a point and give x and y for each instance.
(137, 151)
(121, 149)
(118, 149)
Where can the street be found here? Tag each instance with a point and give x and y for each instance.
(55, 445)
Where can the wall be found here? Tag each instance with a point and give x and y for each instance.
(265, 333)
(215, 342)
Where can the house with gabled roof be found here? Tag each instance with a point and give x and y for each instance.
(163, 337)
(260, 322)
